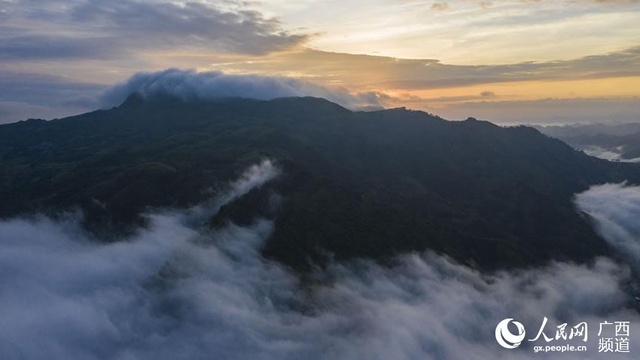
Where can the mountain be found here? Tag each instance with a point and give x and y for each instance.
(353, 184)
(618, 142)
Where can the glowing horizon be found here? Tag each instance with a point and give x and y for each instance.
(449, 57)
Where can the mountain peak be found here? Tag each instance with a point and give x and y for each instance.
(132, 101)
(354, 184)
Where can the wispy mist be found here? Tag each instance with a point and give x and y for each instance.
(611, 154)
(174, 291)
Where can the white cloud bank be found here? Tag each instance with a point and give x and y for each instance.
(190, 85)
(178, 292)
(611, 154)
(616, 211)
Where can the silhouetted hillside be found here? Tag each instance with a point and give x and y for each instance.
(354, 184)
(618, 142)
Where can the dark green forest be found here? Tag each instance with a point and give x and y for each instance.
(353, 184)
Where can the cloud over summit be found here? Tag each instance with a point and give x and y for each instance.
(189, 85)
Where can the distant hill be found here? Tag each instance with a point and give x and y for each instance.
(354, 184)
(618, 142)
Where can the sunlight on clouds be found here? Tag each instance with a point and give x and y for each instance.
(528, 90)
(468, 32)
(447, 52)
(430, 84)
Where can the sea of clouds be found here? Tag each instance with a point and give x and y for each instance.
(177, 290)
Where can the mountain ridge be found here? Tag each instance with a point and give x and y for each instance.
(354, 184)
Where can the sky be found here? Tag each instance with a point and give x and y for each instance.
(512, 61)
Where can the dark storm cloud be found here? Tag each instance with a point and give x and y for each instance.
(104, 29)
